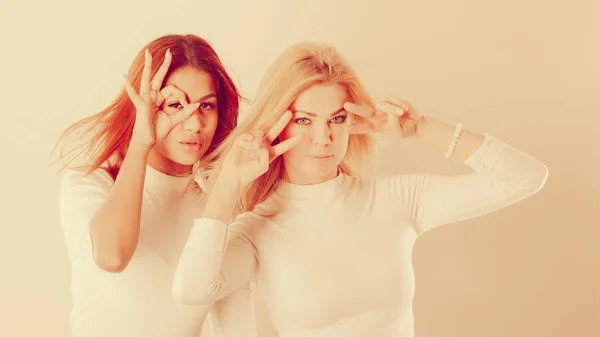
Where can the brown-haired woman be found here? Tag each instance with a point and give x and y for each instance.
(126, 210)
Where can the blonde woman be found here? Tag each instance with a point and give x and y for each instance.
(333, 249)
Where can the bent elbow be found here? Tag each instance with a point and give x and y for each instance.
(114, 263)
(188, 295)
(110, 258)
(539, 179)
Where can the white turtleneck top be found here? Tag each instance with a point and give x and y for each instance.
(138, 302)
(335, 259)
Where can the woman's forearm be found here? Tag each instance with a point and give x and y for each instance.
(222, 199)
(115, 228)
(440, 135)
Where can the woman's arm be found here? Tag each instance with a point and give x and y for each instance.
(235, 315)
(115, 228)
(101, 216)
(217, 259)
(502, 176)
(439, 135)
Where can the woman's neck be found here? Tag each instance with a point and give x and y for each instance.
(164, 165)
(300, 178)
(325, 187)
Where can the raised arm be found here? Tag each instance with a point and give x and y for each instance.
(114, 227)
(502, 175)
(234, 315)
(218, 259)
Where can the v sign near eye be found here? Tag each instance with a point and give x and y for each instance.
(248, 159)
(251, 154)
(391, 114)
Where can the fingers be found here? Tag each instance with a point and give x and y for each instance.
(166, 122)
(390, 108)
(360, 110)
(263, 160)
(404, 105)
(159, 77)
(248, 142)
(135, 98)
(257, 135)
(278, 127)
(284, 146)
(145, 84)
(399, 102)
(172, 91)
(183, 114)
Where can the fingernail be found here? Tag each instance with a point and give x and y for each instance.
(168, 51)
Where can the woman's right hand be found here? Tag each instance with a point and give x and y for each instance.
(251, 154)
(151, 123)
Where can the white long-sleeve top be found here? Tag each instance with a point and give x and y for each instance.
(138, 302)
(335, 258)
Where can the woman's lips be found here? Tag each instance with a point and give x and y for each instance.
(192, 145)
(323, 157)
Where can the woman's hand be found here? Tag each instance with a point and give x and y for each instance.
(251, 154)
(392, 114)
(151, 123)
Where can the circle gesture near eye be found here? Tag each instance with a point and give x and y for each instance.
(151, 123)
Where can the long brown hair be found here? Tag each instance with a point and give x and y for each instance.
(109, 131)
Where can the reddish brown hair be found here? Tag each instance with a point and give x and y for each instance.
(109, 131)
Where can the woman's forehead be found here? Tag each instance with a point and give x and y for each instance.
(321, 99)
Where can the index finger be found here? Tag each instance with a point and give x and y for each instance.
(279, 126)
(284, 146)
(159, 77)
(145, 82)
(360, 110)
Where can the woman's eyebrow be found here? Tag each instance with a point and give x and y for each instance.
(315, 115)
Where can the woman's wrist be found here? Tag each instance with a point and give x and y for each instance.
(445, 137)
(138, 147)
(222, 198)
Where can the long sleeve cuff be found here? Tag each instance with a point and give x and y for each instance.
(199, 266)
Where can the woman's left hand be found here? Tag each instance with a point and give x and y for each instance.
(392, 114)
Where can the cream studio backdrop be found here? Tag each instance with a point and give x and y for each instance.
(524, 71)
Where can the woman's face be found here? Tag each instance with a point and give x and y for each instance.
(187, 142)
(318, 113)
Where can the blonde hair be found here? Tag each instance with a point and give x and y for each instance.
(296, 69)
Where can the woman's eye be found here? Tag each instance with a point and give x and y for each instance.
(207, 106)
(339, 119)
(302, 121)
(175, 105)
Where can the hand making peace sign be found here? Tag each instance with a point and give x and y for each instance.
(392, 114)
(251, 154)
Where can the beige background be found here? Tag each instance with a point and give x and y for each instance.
(525, 71)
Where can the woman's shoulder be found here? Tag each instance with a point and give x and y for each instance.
(76, 178)
(249, 219)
